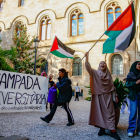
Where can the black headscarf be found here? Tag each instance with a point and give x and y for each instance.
(134, 70)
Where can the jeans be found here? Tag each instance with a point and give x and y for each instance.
(134, 117)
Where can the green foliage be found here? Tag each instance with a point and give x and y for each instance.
(5, 66)
(122, 92)
(89, 93)
(20, 54)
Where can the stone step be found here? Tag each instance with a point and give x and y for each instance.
(13, 137)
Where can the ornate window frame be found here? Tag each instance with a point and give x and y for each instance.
(45, 18)
(78, 67)
(112, 5)
(112, 66)
(126, 63)
(75, 12)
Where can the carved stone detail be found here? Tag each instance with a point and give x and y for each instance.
(45, 18)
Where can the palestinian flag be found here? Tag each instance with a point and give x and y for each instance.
(121, 32)
(60, 50)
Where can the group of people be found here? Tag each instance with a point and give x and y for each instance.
(102, 112)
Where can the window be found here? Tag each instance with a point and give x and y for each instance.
(113, 12)
(77, 26)
(116, 64)
(21, 2)
(45, 28)
(77, 68)
(19, 28)
(44, 68)
(1, 6)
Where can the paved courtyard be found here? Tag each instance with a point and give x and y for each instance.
(30, 125)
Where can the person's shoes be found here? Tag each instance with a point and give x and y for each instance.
(78, 100)
(102, 132)
(74, 100)
(69, 124)
(130, 134)
(115, 136)
(44, 119)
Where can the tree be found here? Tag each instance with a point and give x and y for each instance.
(20, 54)
(4, 54)
(5, 66)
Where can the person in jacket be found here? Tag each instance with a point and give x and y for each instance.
(133, 84)
(64, 97)
(102, 112)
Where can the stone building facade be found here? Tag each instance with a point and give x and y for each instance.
(58, 16)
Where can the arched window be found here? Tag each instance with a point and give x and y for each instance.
(1, 6)
(77, 68)
(21, 2)
(44, 68)
(113, 12)
(77, 25)
(45, 28)
(116, 64)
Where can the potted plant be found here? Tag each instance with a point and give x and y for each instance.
(89, 93)
(122, 92)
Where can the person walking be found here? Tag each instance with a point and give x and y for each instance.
(133, 84)
(64, 97)
(78, 91)
(102, 112)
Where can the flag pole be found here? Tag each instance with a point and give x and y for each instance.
(92, 46)
(48, 54)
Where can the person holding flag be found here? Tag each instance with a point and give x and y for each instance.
(102, 112)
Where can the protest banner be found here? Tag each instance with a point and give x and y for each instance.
(22, 92)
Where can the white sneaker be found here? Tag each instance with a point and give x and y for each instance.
(130, 134)
(138, 133)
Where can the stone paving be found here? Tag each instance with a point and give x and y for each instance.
(30, 125)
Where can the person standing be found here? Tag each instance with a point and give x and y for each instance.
(64, 97)
(78, 91)
(133, 84)
(102, 112)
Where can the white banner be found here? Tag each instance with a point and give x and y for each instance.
(22, 92)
